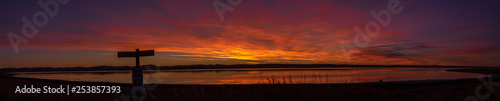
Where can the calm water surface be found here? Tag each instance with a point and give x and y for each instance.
(259, 75)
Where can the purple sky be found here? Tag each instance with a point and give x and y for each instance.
(184, 32)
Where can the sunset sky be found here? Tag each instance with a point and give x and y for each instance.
(185, 32)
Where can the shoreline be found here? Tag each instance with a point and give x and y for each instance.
(11, 76)
(237, 66)
(414, 90)
(464, 70)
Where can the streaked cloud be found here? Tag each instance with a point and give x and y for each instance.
(259, 31)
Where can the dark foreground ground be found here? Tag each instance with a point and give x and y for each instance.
(427, 90)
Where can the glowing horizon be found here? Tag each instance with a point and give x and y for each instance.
(86, 33)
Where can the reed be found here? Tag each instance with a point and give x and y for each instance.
(303, 79)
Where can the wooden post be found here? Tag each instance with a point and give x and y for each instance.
(137, 79)
(137, 72)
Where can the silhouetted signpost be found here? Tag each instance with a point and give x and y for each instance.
(137, 78)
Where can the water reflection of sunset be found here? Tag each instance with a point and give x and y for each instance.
(263, 76)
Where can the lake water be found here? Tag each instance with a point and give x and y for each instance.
(259, 75)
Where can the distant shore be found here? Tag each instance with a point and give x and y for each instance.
(433, 90)
(237, 66)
